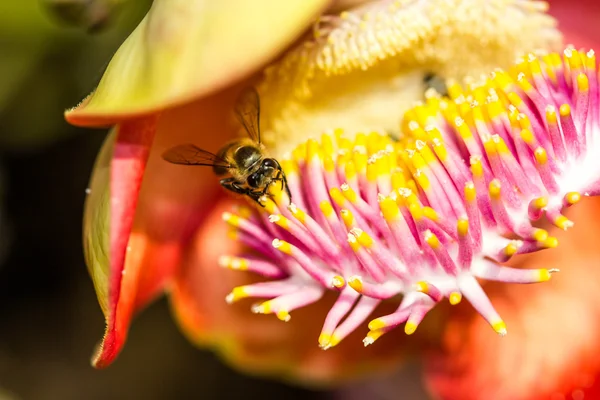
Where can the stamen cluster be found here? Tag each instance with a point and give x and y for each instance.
(425, 216)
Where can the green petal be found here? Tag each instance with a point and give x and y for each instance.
(184, 49)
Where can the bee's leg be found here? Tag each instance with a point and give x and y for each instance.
(285, 184)
(235, 186)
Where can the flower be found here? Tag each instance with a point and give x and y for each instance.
(163, 219)
(425, 216)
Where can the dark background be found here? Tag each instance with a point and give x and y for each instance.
(50, 320)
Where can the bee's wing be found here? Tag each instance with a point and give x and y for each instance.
(247, 111)
(189, 154)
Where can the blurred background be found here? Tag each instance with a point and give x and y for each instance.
(50, 319)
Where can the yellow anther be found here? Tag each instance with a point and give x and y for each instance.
(232, 234)
(283, 315)
(282, 246)
(422, 287)
(338, 282)
(372, 171)
(565, 110)
(551, 117)
(550, 243)
(501, 146)
(376, 324)
(337, 196)
(299, 153)
(540, 235)
(244, 212)
(297, 213)
(363, 238)
(355, 282)
(268, 205)
(333, 341)
(431, 239)
(511, 249)
(312, 149)
(416, 211)
(360, 161)
(326, 208)
(527, 136)
(470, 194)
(373, 142)
(541, 156)
(540, 202)
(515, 99)
(348, 218)
(563, 222)
(430, 214)
(350, 170)
(573, 197)
(231, 219)
(545, 275)
(354, 245)
(328, 164)
(324, 339)
(349, 193)
(327, 144)
(289, 166)
(476, 167)
(410, 328)
(398, 180)
(499, 327)
(583, 83)
(360, 140)
(422, 179)
(495, 189)
(462, 226)
(455, 298)
(389, 209)
(236, 294)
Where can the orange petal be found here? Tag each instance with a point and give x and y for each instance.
(168, 207)
(109, 215)
(186, 49)
(553, 328)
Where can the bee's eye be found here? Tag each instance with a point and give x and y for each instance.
(254, 180)
(269, 163)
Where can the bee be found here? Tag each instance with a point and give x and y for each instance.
(250, 171)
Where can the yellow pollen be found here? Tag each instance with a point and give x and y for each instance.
(499, 327)
(565, 110)
(348, 218)
(540, 202)
(540, 235)
(455, 298)
(431, 239)
(333, 341)
(326, 208)
(495, 189)
(563, 222)
(398, 180)
(376, 324)
(327, 144)
(349, 193)
(350, 170)
(312, 149)
(337, 196)
(511, 249)
(462, 226)
(551, 117)
(550, 243)
(338, 282)
(476, 167)
(360, 161)
(268, 204)
(527, 136)
(410, 328)
(354, 245)
(545, 275)
(541, 156)
(372, 336)
(372, 171)
(430, 214)
(299, 153)
(515, 99)
(328, 164)
(280, 220)
(231, 219)
(282, 246)
(297, 213)
(573, 197)
(363, 238)
(416, 211)
(470, 194)
(283, 315)
(236, 294)
(389, 209)
(289, 167)
(582, 82)
(355, 282)
(324, 339)
(422, 287)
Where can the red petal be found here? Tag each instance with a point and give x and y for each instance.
(552, 344)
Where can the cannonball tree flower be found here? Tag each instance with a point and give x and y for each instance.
(139, 242)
